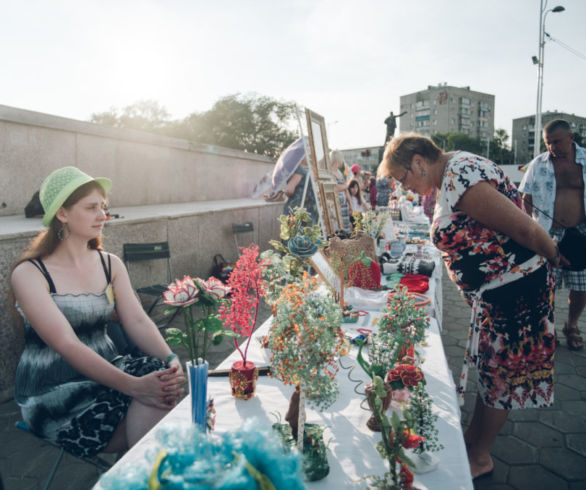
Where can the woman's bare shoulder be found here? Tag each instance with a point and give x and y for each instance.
(26, 274)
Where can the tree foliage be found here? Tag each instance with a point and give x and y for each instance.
(498, 152)
(252, 123)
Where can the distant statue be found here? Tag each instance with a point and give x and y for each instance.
(391, 123)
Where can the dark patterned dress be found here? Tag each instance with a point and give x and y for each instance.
(58, 403)
(510, 289)
(295, 200)
(344, 206)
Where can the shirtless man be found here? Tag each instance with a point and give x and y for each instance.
(553, 186)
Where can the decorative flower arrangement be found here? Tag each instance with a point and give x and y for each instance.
(371, 222)
(402, 380)
(402, 325)
(404, 376)
(300, 240)
(247, 287)
(249, 457)
(201, 331)
(424, 420)
(305, 340)
(397, 435)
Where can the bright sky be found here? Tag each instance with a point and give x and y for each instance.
(349, 61)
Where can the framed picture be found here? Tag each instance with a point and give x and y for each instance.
(331, 207)
(318, 144)
(325, 271)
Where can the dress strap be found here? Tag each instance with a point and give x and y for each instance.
(108, 268)
(38, 263)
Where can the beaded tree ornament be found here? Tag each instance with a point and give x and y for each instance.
(305, 340)
(402, 325)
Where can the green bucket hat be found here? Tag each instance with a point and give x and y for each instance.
(60, 184)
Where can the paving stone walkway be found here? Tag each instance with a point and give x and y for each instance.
(541, 449)
(537, 449)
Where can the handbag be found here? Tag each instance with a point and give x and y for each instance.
(573, 247)
(220, 268)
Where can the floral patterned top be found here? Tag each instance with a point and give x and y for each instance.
(474, 255)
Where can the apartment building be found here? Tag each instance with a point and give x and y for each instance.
(446, 109)
(524, 132)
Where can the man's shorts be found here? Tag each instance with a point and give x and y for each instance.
(572, 280)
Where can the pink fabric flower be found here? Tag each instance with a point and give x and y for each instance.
(181, 293)
(402, 395)
(214, 287)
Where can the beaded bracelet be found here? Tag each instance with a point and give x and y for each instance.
(170, 357)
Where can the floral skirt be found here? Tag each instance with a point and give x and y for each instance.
(517, 343)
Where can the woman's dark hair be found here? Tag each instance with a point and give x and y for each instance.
(400, 151)
(352, 183)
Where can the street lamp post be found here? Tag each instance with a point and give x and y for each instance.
(542, 15)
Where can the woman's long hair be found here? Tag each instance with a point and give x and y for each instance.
(354, 182)
(45, 243)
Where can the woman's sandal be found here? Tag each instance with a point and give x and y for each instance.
(573, 337)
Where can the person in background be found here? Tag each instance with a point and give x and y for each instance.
(553, 187)
(72, 386)
(355, 169)
(336, 166)
(383, 191)
(372, 193)
(294, 191)
(500, 260)
(357, 204)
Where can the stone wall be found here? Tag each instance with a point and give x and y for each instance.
(189, 194)
(145, 168)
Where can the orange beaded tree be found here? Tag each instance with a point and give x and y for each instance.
(305, 340)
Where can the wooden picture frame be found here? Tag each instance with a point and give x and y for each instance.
(331, 207)
(318, 145)
(326, 271)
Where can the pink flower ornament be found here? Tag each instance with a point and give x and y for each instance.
(402, 395)
(213, 287)
(181, 293)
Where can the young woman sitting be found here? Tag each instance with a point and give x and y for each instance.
(72, 386)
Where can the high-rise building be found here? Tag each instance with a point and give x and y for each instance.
(524, 132)
(446, 109)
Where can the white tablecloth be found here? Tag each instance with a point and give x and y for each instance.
(352, 454)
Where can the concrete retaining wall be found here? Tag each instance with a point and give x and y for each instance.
(166, 188)
(145, 168)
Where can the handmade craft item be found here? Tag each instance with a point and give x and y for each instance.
(203, 328)
(250, 457)
(397, 436)
(424, 424)
(305, 340)
(402, 325)
(364, 273)
(342, 252)
(240, 314)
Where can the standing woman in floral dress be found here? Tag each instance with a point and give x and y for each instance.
(498, 257)
(73, 387)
